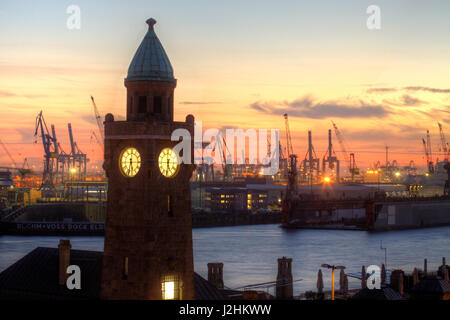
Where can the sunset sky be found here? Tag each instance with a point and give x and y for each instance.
(239, 64)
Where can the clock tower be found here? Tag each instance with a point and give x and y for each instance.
(148, 233)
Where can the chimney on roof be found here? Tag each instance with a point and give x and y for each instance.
(64, 259)
(215, 274)
(397, 281)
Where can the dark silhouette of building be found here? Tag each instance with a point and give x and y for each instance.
(36, 276)
(384, 293)
(431, 288)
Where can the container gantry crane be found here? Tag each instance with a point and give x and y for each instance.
(330, 157)
(311, 164)
(77, 157)
(51, 152)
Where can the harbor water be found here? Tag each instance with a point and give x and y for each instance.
(250, 253)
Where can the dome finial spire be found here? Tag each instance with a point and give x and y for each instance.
(150, 62)
(151, 22)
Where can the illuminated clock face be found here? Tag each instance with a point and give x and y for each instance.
(168, 162)
(130, 162)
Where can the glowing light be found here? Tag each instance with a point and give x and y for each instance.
(397, 174)
(169, 290)
(327, 179)
(73, 170)
(169, 163)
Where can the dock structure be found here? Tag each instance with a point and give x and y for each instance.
(373, 215)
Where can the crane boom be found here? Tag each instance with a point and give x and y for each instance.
(443, 142)
(429, 145)
(341, 142)
(225, 154)
(291, 189)
(445, 146)
(425, 149)
(289, 147)
(98, 118)
(428, 154)
(9, 154)
(292, 164)
(93, 135)
(350, 159)
(22, 170)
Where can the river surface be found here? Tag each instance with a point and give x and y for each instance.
(250, 253)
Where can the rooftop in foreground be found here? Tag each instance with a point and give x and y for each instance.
(35, 276)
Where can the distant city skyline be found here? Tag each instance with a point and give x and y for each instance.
(238, 65)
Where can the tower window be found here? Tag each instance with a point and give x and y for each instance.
(142, 104)
(171, 287)
(157, 104)
(125, 268)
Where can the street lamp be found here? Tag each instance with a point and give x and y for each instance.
(332, 276)
(385, 253)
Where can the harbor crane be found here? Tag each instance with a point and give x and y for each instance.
(428, 154)
(291, 189)
(51, 151)
(444, 144)
(77, 158)
(330, 159)
(225, 154)
(94, 137)
(283, 162)
(22, 170)
(59, 165)
(292, 163)
(350, 159)
(311, 164)
(98, 119)
(204, 166)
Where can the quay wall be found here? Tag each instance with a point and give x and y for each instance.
(64, 212)
(88, 219)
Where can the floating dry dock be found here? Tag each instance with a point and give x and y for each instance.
(369, 215)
